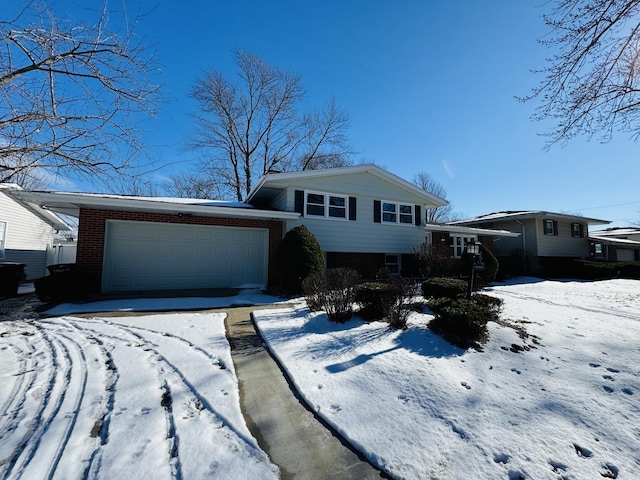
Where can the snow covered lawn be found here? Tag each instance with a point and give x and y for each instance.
(141, 397)
(562, 401)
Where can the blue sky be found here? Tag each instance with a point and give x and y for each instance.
(429, 86)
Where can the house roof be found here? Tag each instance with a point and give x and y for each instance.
(616, 232)
(13, 190)
(271, 184)
(69, 203)
(622, 242)
(463, 230)
(527, 214)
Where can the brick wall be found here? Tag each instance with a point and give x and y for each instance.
(92, 224)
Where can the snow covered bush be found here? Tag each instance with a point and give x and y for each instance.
(332, 291)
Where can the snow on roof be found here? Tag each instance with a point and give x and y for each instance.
(517, 214)
(616, 231)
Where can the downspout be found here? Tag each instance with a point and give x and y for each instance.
(524, 246)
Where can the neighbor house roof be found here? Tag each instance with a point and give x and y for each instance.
(463, 230)
(527, 214)
(271, 184)
(13, 191)
(616, 232)
(622, 242)
(70, 204)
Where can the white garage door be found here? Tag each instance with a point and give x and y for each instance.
(625, 255)
(159, 256)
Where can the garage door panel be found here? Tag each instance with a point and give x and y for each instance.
(152, 256)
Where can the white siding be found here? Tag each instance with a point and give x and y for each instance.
(505, 246)
(562, 244)
(362, 235)
(27, 237)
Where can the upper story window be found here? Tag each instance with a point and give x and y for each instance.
(577, 230)
(550, 227)
(325, 205)
(393, 212)
(3, 231)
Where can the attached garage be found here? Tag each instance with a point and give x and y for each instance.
(625, 255)
(164, 256)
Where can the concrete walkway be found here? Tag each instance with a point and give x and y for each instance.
(286, 430)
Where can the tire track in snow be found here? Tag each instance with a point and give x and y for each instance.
(165, 400)
(167, 369)
(10, 412)
(51, 359)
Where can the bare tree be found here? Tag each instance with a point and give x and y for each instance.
(591, 84)
(250, 127)
(69, 95)
(439, 214)
(193, 186)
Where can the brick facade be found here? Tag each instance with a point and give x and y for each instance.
(92, 226)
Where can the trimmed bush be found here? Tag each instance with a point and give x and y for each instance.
(332, 291)
(375, 300)
(444, 287)
(494, 304)
(491, 265)
(298, 256)
(460, 321)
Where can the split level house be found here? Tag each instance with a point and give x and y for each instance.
(548, 241)
(26, 232)
(363, 216)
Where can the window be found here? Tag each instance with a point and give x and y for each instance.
(598, 250)
(3, 232)
(392, 263)
(460, 242)
(550, 227)
(397, 213)
(325, 205)
(577, 230)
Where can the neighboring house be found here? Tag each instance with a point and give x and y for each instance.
(547, 239)
(26, 232)
(616, 244)
(363, 217)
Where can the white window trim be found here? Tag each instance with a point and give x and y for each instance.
(326, 205)
(3, 239)
(397, 213)
(397, 265)
(553, 227)
(458, 247)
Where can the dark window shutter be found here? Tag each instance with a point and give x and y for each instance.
(299, 202)
(418, 214)
(377, 211)
(581, 230)
(352, 208)
(555, 227)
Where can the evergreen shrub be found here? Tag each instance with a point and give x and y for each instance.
(298, 256)
(444, 287)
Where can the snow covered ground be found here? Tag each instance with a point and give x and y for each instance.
(139, 397)
(561, 401)
(155, 396)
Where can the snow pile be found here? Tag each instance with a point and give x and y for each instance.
(136, 397)
(555, 395)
